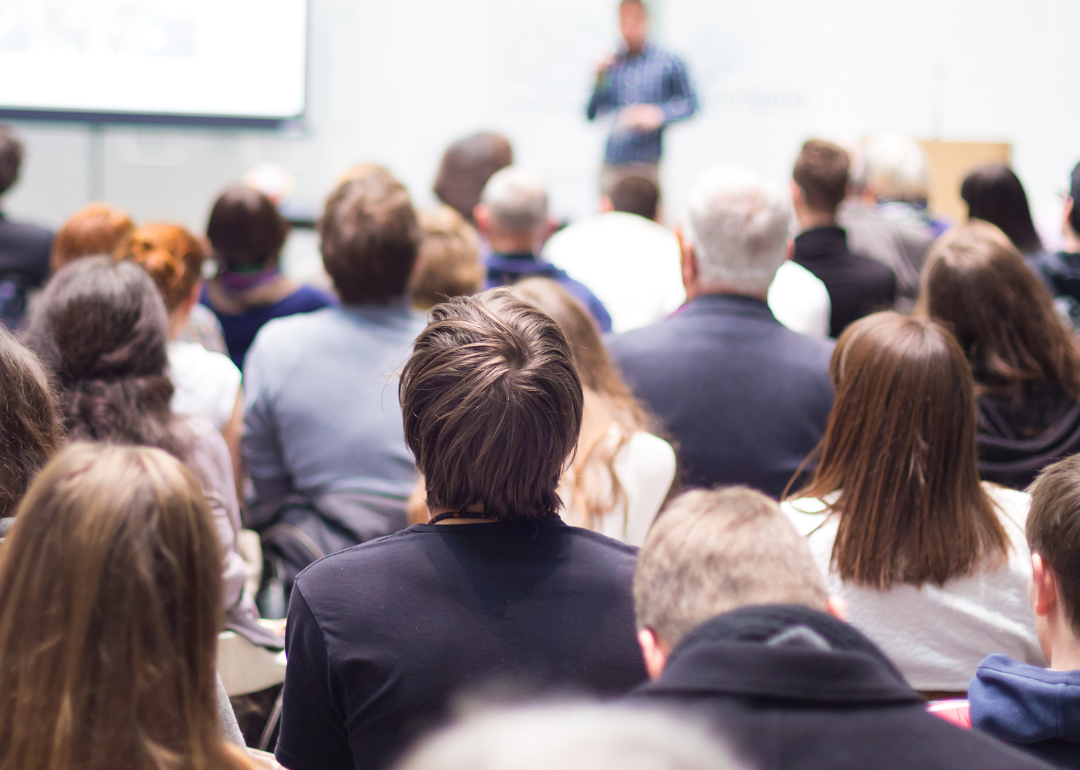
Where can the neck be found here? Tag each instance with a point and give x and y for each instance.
(511, 243)
(1071, 242)
(808, 220)
(703, 290)
(177, 321)
(1064, 647)
(476, 508)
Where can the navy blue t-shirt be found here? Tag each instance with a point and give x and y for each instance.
(384, 636)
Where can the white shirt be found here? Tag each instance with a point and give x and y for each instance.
(937, 635)
(206, 383)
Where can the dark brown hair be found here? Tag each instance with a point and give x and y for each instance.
(636, 195)
(11, 157)
(994, 194)
(171, 255)
(449, 262)
(976, 283)
(492, 406)
(369, 238)
(1053, 529)
(30, 431)
(821, 172)
(111, 579)
(466, 167)
(94, 229)
(246, 229)
(899, 454)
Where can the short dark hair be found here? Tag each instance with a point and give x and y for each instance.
(492, 406)
(466, 167)
(1053, 529)
(369, 238)
(1074, 193)
(636, 195)
(821, 172)
(11, 157)
(246, 229)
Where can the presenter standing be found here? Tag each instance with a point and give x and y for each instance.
(646, 88)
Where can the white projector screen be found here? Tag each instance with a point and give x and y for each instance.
(238, 62)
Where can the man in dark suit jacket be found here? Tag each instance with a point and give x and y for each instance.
(745, 398)
(24, 249)
(857, 285)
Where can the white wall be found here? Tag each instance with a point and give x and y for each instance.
(396, 81)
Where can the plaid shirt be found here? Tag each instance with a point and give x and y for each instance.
(655, 77)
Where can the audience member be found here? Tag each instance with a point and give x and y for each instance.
(320, 418)
(621, 473)
(466, 167)
(513, 216)
(1062, 270)
(246, 234)
(496, 590)
(857, 285)
(570, 736)
(744, 398)
(994, 194)
(1033, 708)
(930, 563)
(1025, 359)
(108, 629)
(95, 229)
(24, 248)
(448, 264)
(733, 622)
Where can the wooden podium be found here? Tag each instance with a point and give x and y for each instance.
(950, 162)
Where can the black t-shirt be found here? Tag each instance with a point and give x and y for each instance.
(384, 636)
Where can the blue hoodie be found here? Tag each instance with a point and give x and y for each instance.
(1033, 708)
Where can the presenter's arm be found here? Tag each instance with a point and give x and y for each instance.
(601, 100)
(682, 101)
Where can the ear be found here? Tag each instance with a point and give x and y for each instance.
(606, 206)
(836, 607)
(549, 229)
(688, 263)
(791, 248)
(797, 196)
(482, 217)
(654, 652)
(1066, 216)
(1044, 594)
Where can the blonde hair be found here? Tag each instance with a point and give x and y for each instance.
(171, 255)
(449, 264)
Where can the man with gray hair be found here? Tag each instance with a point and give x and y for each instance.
(513, 216)
(744, 398)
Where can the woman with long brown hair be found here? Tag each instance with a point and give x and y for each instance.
(931, 563)
(108, 628)
(1025, 358)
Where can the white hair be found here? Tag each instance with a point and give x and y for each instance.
(896, 167)
(517, 200)
(737, 224)
(571, 737)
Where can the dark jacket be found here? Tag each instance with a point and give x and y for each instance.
(857, 285)
(744, 398)
(24, 265)
(507, 269)
(1035, 709)
(791, 688)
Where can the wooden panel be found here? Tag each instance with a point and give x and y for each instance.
(950, 162)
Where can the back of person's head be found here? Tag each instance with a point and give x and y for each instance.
(449, 260)
(466, 167)
(899, 452)
(111, 579)
(1074, 193)
(635, 194)
(101, 326)
(517, 201)
(570, 736)
(11, 157)
(492, 405)
(994, 194)
(821, 172)
(737, 224)
(245, 229)
(976, 283)
(711, 552)
(1053, 530)
(369, 238)
(30, 431)
(94, 229)
(171, 255)
(896, 168)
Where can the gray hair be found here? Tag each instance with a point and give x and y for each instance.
(896, 167)
(737, 224)
(571, 737)
(517, 199)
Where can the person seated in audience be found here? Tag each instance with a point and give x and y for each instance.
(466, 167)
(994, 194)
(633, 261)
(857, 285)
(738, 632)
(108, 629)
(246, 235)
(1038, 709)
(320, 419)
(448, 264)
(1025, 358)
(930, 562)
(102, 328)
(1061, 270)
(744, 398)
(513, 217)
(24, 248)
(95, 229)
(495, 591)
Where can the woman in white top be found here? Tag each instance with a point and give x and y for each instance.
(931, 563)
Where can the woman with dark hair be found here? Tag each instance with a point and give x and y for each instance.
(1025, 360)
(931, 563)
(994, 194)
(247, 233)
(108, 628)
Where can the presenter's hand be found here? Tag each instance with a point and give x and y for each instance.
(641, 117)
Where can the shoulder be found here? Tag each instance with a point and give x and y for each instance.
(806, 513)
(1012, 507)
(309, 298)
(667, 58)
(31, 235)
(197, 359)
(289, 333)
